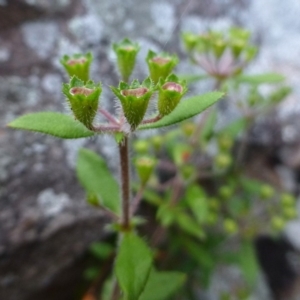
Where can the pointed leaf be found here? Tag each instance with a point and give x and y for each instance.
(186, 109)
(133, 265)
(189, 225)
(261, 78)
(191, 78)
(197, 201)
(248, 263)
(97, 180)
(162, 285)
(52, 123)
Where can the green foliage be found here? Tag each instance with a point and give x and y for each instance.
(52, 123)
(186, 109)
(268, 78)
(97, 180)
(162, 285)
(133, 265)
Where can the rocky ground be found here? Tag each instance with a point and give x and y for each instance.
(45, 225)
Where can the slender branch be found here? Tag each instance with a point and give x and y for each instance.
(136, 200)
(108, 116)
(116, 291)
(125, 182)
(106, 128)
(152, 120)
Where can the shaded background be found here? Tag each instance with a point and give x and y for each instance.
(45, 225)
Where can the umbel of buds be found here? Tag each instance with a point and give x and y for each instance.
(134, 99)
(78, 65)
(126, 52)
(83, 99)
(170, 92)
(218, 54)
(160, 65)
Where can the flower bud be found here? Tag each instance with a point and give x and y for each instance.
(78, 65)
(126, 52)
(83, 99)
(266, 191)
(160, 65)
(223, 160)
(134, 99)
(190, 41)
(141, 146)
(145, 166)
(219, 47)
(277, 223)
(230, 226)
(170, 92)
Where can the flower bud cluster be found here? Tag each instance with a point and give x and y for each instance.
(83, 95)
(218, 54)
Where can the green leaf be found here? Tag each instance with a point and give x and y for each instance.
(197, 201)
(186, 109)
(248, 263)
(162, 285)
(188, 224)
(192, 78)
(96, 179)
(208, 129)
(52, 123)
(234, 128)
(133, 265)
(101, 250)
(261, 78)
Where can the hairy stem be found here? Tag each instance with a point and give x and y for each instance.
(125, 182)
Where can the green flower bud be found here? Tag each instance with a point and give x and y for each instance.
(145, 166)
(190, 41)
(230, 226)
(223, 160)
(225, 142)
(141, 146)
(287, 199)
(126, 52)
(237, 47)
(188, 128)
(134, 99)
(157, 142)
(290, 212)
(181, 154)
(219, 47)
(266, 191)
(277, 223)
(160, 65)
(226, 192)
(78, 65)
(170, 92)
(83, 99)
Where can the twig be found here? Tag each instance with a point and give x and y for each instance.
(136, 200)
(125, 180)
(108, 116)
